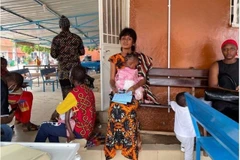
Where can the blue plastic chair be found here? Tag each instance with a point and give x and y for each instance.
(48, 73)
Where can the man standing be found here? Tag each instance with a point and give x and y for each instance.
(66, 48)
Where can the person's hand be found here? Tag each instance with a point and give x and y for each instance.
(71, 137)
(114, 90)
(55, 116)
(131, 89)
(237, 88)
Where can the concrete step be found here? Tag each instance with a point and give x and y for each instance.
(148, 152)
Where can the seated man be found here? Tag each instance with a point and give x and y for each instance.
(81, 102)
(224, 74)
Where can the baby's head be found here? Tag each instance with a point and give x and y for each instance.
(131, 60)
(77, 74)
(180, 99)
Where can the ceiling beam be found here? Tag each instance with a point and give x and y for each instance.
(27, 19)
(28, 35)
(58, 15)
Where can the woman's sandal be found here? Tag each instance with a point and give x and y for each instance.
(30, 127)
(17, 122)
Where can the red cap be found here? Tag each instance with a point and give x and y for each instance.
(229, 41)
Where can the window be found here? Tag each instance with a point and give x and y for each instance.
(234, 13)
(113, 18)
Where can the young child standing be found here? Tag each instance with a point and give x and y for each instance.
(128, 75)
(183, 126)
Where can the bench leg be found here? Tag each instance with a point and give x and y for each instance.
(57, 83)
(53, 85)
(198, 150)
(31, 83)
(43, 86)
(38, 82)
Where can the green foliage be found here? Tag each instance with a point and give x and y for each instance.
(92, 48)
(42, 49)
(29, 49)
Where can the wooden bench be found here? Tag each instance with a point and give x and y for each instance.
(28, 78)
(46, 75)
(223, 142)
(159, 119)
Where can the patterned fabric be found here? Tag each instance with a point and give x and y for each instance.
(82, 102)
(23, 102)
(66, 48)
(145, 63)
(122, 130)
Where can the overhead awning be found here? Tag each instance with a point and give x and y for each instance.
(36, 21)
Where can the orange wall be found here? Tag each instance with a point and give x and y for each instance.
(198, 27)
(7, 45)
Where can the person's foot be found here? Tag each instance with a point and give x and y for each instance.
(30, 127)
(17, 122)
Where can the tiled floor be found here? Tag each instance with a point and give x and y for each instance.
(155, 147)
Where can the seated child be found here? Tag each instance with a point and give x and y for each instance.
(183, 126)
(128, 76)
(21, 100)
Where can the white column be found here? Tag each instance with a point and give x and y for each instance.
(14, 54)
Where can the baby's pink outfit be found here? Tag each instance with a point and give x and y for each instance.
(126, 78)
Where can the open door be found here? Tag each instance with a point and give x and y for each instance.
(113, 17)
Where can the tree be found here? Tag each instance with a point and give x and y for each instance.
(42, 49)
(29, 49)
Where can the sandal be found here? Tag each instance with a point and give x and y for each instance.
(17, 122)
(30, 127)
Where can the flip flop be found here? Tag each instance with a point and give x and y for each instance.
(30, 127)
(17, 122)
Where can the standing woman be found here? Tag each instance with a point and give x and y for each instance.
(122, 119)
